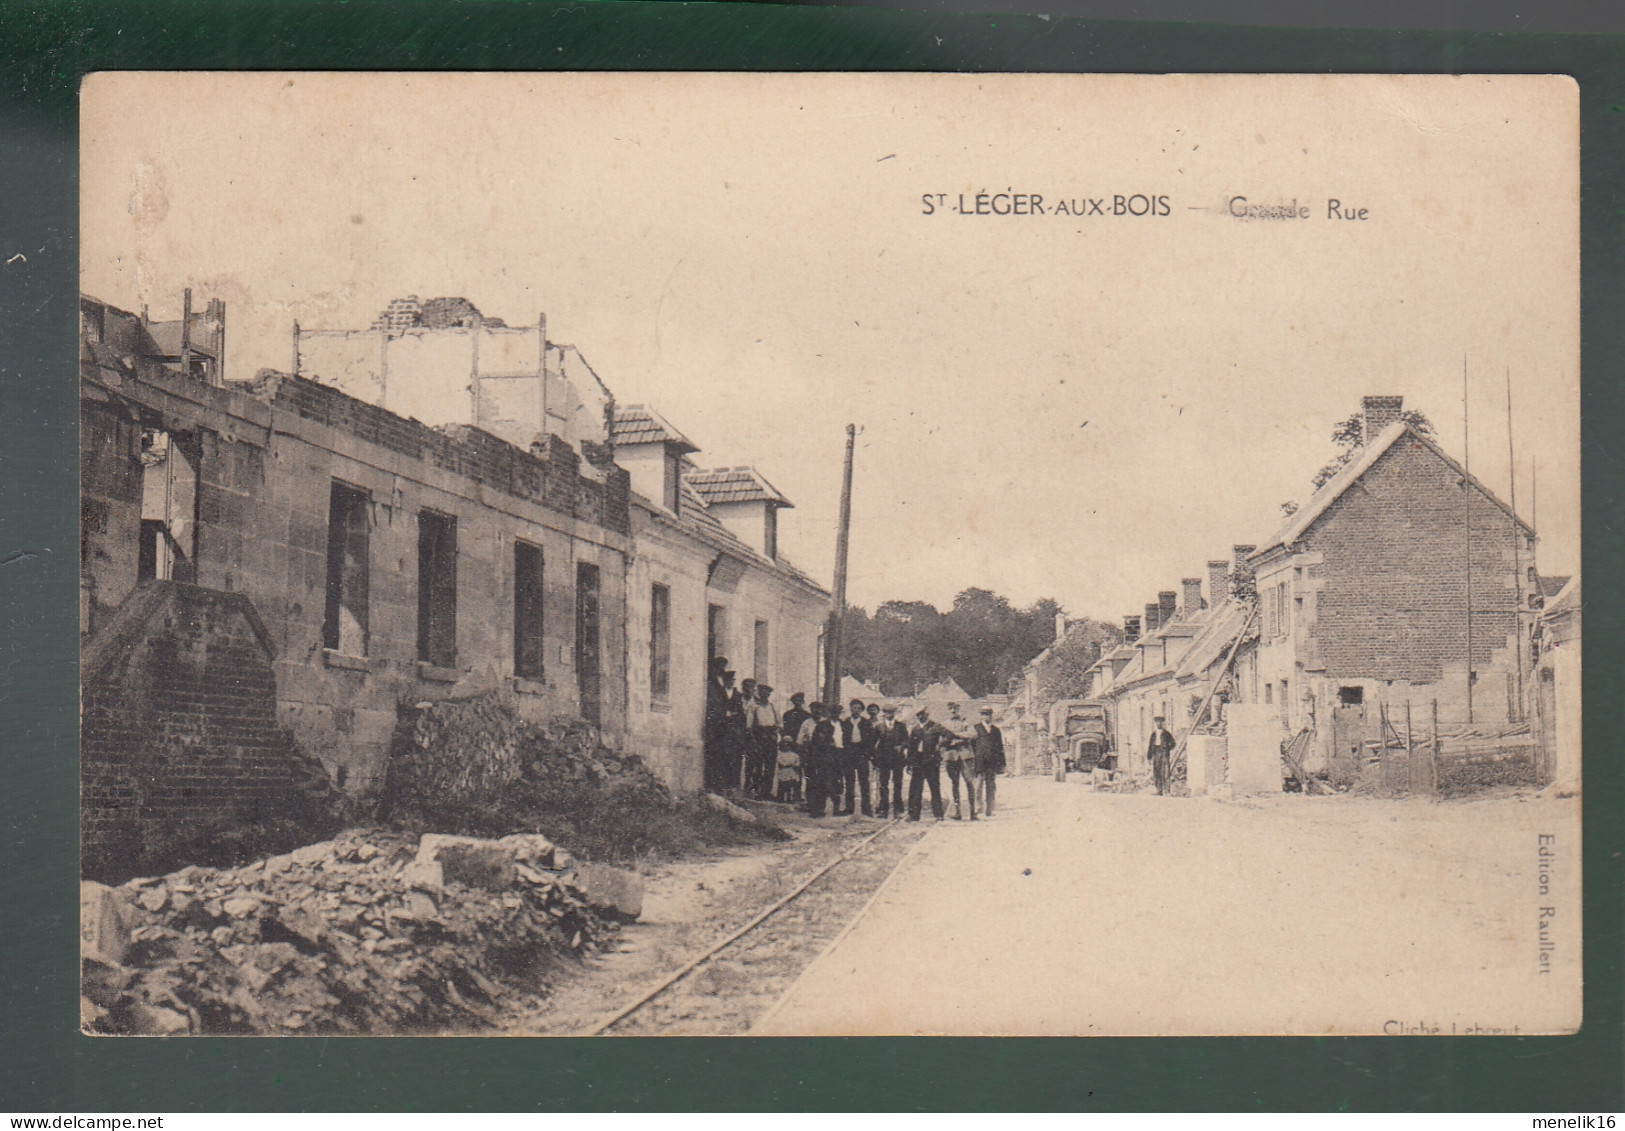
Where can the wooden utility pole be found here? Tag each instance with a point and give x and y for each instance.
(186, 333)
(1467, 496)
(837, 612)
(1517, 557)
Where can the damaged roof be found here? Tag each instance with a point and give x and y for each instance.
(640, 424)
(1223, 627)
(1299, 523)
(734, 485)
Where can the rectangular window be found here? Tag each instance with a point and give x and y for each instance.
(437, 589)
(1351, 696)
(588, 643)
(716, 630)
(345, 627)
(528, 658)
(770, 532)
(759, 666)
(167, 550)
(660, 642)
(1269, 693)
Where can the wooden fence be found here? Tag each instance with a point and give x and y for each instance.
(1407, 752)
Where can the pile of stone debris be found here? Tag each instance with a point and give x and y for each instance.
(368, 933)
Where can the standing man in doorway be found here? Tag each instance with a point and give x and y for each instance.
(1160, 750)
(717, 694)
(989, 747)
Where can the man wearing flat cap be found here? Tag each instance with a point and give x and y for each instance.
(1160, 750)
(763, 720)
(988, 745)
(925, 763)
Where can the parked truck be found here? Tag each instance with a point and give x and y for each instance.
(1081, 733)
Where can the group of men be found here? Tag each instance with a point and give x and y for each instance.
(818, 756)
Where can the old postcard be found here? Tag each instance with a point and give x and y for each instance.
(830, 554)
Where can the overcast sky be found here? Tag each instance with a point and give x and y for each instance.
(1080, 407)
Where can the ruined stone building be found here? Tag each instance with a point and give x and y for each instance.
(425, 509)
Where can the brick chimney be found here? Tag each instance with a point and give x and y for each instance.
(1167, 602)
(1151, 622)
(1379, 413)
(1240, 554)
(1131, 629)
(1218, 582)
(1060, 627)
(1192, 587)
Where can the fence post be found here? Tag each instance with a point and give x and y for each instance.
(1433, 753)
(1382, 748)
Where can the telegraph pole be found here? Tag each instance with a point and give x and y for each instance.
(1517, 555)
(837, 613)
(1467, 496)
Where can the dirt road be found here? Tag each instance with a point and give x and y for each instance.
(695, 903)
(1076, 912)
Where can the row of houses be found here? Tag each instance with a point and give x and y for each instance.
(1403, 582)
(440, 505)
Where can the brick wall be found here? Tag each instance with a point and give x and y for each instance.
(179, 726)
(1392, 594)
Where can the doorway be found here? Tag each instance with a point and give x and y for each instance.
(589, 675)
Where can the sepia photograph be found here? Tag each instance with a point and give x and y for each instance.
(829, 554)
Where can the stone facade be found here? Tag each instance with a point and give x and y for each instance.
(265, 462)
(395, 561)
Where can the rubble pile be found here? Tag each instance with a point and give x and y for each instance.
(473, 766)
(368, 933)
(472, 753)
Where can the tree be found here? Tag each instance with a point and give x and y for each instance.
(1349, 435)
(1062, 675)
(981, 642)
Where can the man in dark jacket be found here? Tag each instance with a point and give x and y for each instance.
(794, 716)
(890, 752)
(818, 760)
(988, 745)
(925, 764)
(1160, 750)
(717, 694)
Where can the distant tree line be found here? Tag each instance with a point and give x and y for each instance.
(981, 642)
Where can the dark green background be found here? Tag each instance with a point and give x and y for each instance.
(46, 1066)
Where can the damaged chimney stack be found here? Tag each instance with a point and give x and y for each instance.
(1167, 602)
(1131, 629)
(1151, 622)
(1379, 413)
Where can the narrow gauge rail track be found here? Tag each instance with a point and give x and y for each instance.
(721, 989)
